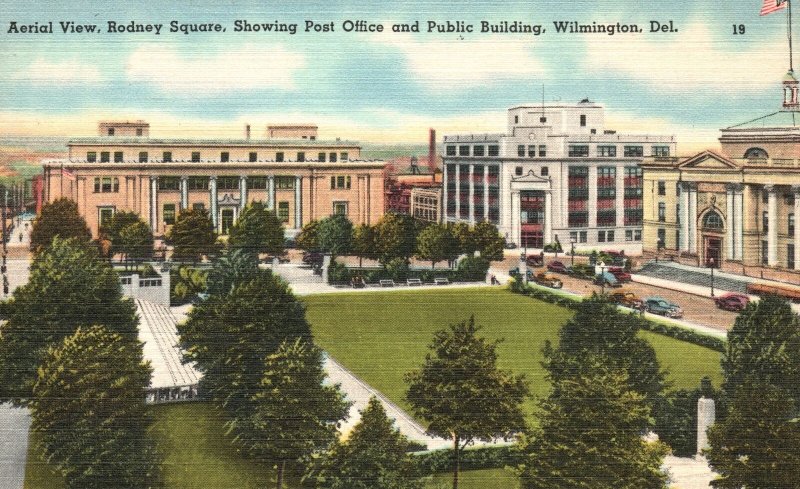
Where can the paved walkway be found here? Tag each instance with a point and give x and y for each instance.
(158, 332)
(14, 425)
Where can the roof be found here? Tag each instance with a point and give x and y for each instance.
(781, 118)
(144, 141)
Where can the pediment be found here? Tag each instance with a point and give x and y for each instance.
(530, 177)
(707, 159)
(228, 199)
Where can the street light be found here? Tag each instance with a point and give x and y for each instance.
(572, 252)
(602, 280)
(711, 265)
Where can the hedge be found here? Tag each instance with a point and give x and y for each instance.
(339, 274)
(493, 457)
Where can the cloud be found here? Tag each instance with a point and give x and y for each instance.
(459, 64)
(44, 72)
(690, 60)
(248, 67)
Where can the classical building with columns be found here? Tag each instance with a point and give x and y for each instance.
(735, 209)
(557, 174)
(302, 178)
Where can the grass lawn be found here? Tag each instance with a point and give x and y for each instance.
(476, 479)
(382, 335)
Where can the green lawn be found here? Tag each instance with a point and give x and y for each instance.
(381, 335)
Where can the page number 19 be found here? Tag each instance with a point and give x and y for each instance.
(738, 29)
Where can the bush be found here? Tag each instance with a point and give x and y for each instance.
(553, 247)
(473, 268)
(397, 269)
(472, 459)
(676, 424)
(338, 273)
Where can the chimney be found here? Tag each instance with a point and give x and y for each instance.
(247, 131)
(432, 153)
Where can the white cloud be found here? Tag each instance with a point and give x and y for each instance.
(248, 67)
(689, 60)
(457, 64)
(44, 72)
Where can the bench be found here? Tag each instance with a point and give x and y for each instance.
(441, 281)
(413, 281)
(386, 283)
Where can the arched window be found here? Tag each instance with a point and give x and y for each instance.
(712, 221)
(755, 153)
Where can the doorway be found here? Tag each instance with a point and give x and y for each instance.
(713, 251)
(226, 220)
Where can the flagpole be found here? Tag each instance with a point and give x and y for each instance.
(789, 30)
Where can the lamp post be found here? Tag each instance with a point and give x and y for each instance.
(602, 279)
(572, 252)
(711, 265)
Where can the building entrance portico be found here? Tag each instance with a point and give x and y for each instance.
(531, 217)
(227, 214)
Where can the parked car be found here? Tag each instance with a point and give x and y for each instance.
(510, 246)
(312, 258)
(582, 270)
(617, 257)
(548, 280)
(606, 278)
(621, 275)
(732, 301)
(557, 266)
(534, 261)
(663, 307)
(625, 297)
(514, 272)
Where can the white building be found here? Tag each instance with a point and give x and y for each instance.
(557, 174)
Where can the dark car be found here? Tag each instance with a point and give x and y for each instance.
(621, 275)
(514, 272)
(732, 301)
(510, 246)
(606, 278)
(557, 266)
(313, 258)
(534, 261)
(663, 307)
(582, 270)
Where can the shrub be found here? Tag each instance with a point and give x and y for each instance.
(473, 268)
(338, 273)
(471, 459)
(397, 269)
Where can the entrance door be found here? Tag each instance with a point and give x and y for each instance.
(713, 251)
(226, 220)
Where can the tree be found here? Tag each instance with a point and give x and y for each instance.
(258, 230)
(135, 241)
(111, 230)
(396, 236)
(230, 270)
(473, 267)
(590, 435)
(375, 456)
(89, 409)
(462, 394)
(308, 237)
(69, 286)
(436, 243)
(58, 218)
(295, 413)
(758, 441)
(463, 233)
(364, 242)
(334, 234)
(487, 241)
(193, 235)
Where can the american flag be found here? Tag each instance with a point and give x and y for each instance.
(773, 6)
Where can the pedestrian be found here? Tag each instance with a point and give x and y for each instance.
(20, 237)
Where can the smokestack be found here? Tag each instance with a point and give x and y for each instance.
(432, 153)
(247, 131)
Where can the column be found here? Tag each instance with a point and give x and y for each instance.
(472, 194)
(486, 193)
(693, 218)
(515, 209)
(184, 192)
(242, 191)
(593, 196)
(796, 210)
(684, 244)
(298, 202)
(458, 193)
(154, 204)
(620, 200)
(212, 189)
(772, 233)
(548, 217)
(738, 217)
(444, 193)
(730, 223)
(271, 192)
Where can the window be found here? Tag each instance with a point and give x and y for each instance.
(227, 183)
(169, 183)
(531, 151)
(494, 150)
(321, 157)
(279, 156)
(629, 235)
(340, 208)
(143, 157)
(139, 131)
(765, 221)
(340, 182)
(301, 156)
(755, 153)
(545, 171)
(583, 236)
(662, 187)
(478, 150)
(634, 151)
(516, 119)
(463, 150)
(764, 252)
(253, 156)
(660, 150)
(224, 157)
(106, 184)
(91, 156)
(791, 223)
(518, 171)
(195, 156)
(578, 150)
(110, 131)
(712, 221)
(283, 211)
(105, 157)
(542, 151)
(790, 256)
(96, 184)
(166, 156)
(605, 236)
(198, 206)
(104, 214)
(609, 151)
(662, 212)
(344, 156)
(521, 150)
(637, 234)
(118, 156)
(662, 238)
(450, 150)
(197, 183)
(284, 183)
(257, 183)
(169, 214)
(583, 120)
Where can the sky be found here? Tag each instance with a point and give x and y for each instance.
(387, 87)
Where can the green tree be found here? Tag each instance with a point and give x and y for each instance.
(462, 394)
(193, 235)
(111, 230)
(69, 287)
(135, 241)
(590, 435)
(258, 230)
(58, 218)
(295, 413)
(308, 237)
(487, 241)
(463, 233)
(436, 243)
(364, 243)
(473, 267)
(230, 270)
(89, 409)
(396, 236)
(375, 456)
(187, 282)
(335, 234)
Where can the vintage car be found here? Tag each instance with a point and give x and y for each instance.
(663, 307)
(606, 278)
(621, 275)
(732, 301)
(313, 258)
(625, 297)
(582, 270)
(548, 280)
(514, 272)
(557, 266)
(534, 261)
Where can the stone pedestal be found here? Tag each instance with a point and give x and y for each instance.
(706, 413)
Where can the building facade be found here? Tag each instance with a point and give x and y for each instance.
(426, 203)
(301, 179)
(557, 174)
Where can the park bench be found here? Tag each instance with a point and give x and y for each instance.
(413, 281)
(441, 281)
(386, 283)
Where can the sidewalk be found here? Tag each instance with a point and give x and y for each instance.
(14, 425)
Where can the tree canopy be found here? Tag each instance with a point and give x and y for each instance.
(231, 269)
(487, 240)
(257, 230)
(308, 239)
(113, 227)
(58, 218)
(396, 236)
(335, 234)
(135, 241)
(364, 243)
(436, 243)
(193, 235)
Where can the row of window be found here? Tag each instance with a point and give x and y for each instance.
(630, 151)
(477, 150)
(224, 156)
(532, 151)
